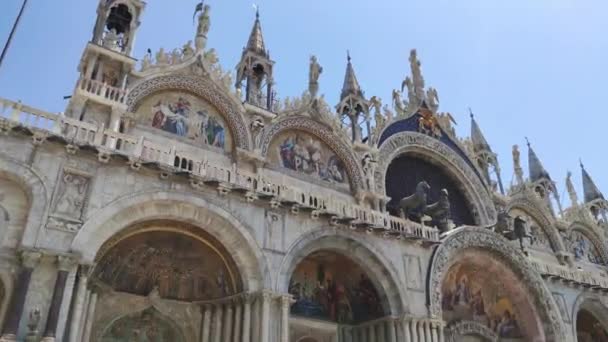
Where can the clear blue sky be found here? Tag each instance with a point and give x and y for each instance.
(531, 68)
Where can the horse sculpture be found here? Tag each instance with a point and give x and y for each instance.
(414, 206)
(440, 212)
(517, 232)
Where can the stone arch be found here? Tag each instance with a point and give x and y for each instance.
(370, 259)
(37, 193)
(469, 238)
(199, 86)
(131, 210)
(591, 234)
(593, 303)
(470, 328)
(323, 133)
(534, 209)
(434, 151)
(161, 313)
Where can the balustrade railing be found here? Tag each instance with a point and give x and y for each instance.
(103, 90)
(256, 185)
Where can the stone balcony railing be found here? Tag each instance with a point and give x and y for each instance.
(201, 172)
(101, 91)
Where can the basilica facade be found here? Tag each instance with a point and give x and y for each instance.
(174, 202)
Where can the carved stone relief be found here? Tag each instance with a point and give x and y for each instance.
(274, 232)
(414, 276)
(70, 200)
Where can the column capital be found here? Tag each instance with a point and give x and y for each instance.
(66, 262)
(286, 300)
(30, 259)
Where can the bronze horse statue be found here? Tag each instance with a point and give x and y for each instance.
(440, 212)
(518, 232)
(415, 205)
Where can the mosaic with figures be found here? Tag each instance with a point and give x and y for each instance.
(467, 296)
(331, 287)
(186, 116)
(146, 326)
(582, 248)
(303, 153)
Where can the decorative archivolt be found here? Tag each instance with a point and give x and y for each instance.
(463, 239)
(423, 145)
(199, 86)
(461, 329)
(326, 135)
(591, 234)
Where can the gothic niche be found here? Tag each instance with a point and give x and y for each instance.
(329, 286)
(187, 116)
(582, 248)
(406, 172)
(479, 290)
(146, 326)
(589, 329)
(179, 266)
(305, 154)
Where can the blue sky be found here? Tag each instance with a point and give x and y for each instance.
(532, 68)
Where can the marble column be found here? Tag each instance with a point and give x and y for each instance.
(414, 330)
(381, 331)
(427, 331)
(217, 329)
(405, 329)
(64, 264)
(392, 334)
(227, 322)
(434, 328)
(238, 320)
(29, 261)
(79, 304)
(246, 337)
(205, 333)
(88, 326)
(265, 323)
(441, 336)
(285, 305)
(371, 333)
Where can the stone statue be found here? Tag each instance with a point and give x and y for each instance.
(519, 232)
(414, 206)
(445, 121)
(398, 103)
(211, 57)
(204, 24)
(146, 62)
(369, 167)
(503, 223)
(257, 127)
(571, 190)
(176, 57)
(387, 113)
(313, 76)
(519, 173)
(440, 212)
(433, 98)
(161, 57)
(417, 79)
(187, 50)
(112, 40)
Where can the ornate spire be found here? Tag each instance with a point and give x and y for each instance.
(590, 190)
(479, 141)
(351, 85)
(536, 169)
(256, 39)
